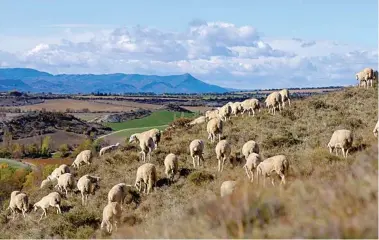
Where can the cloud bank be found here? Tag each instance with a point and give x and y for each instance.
(215, 52)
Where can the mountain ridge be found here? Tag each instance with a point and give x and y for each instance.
(28, 79)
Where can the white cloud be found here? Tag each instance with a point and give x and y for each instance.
(218, 53)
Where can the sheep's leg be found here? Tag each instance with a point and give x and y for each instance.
(193, 161)
(343, 152)
(219, 165)
(283, 178)
(247, 172)
(219, 137)
(347, 151)
(330, 150)
(83, 198)
(252, 175)
(198, 160)
(289, 102)
(272, 181)
(223, 162)
(58, 209)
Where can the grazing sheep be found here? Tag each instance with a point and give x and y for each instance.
(196, 150)
(369, 76)
(147, 175)
(171, 166)
(19, 201)
(111, 216)
(227, 188)
(108, 149)
(285, 97)
(375, 131)
(250, 105)
(210, 114)
(146, 144)
(65, 181)
(45, 183)
(58, 171)
(365, 76)
(88, 185)
(52, 199)
(277, 164)
(272, 101)
(119, 192)
(214, 126)
(83, 157)
(251, 164)
(155, 134)
(225, 112)
(236, 108)
(199, 120)
(341, 139)
(223, 150)
(249, 147)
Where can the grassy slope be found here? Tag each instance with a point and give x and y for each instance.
(155, 119)
(326, 196)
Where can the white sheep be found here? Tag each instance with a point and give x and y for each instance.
(65, 182)
(18, 201)
(210, 114)
(375, 131)
(88, 185)
(171, 166)
(285, 96)
(341, 139)
(225, 112)
(362, 77)
(155, 134)
(119, 192)
(58, 171)
(196, 148)
(250, 105)
(223, 150)
(236, 108)
(83, 157)
(146, 144)
(199, 120)
(252, 162)
(111, 216)
(250, 147)
(108, 149)
(52, 199)
(273, 101)
(370, 76)
(146, 175)
(214, 127)
(45, 183)
(227, 188)
(277, 164)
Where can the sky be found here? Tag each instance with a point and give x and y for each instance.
(244, 44)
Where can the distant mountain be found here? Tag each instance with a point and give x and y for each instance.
(26, 79)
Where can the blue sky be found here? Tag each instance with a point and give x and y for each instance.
(40, 30)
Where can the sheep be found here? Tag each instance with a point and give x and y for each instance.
(214, 126)
(278, 164)
(87, 185)
(146, 144)
(58, 171)
(285, 97)
(18, 201)
(250, 105)
(251, 164)
(272, 101)
(83, 157)
(65, 181)
(196, 150)
(223, 150)
(111, 216)
(108, 149)
(369, 76)
(171, 166)
(236, 108)
(199, 120)
(341, 139)
(250, 147)
(375, 131)
(227, 188)
(361, 77)
(225, 112)
(147, 175)
(45, 183)
(119, 192)
(52, 199)
(155, 134)
(210, 114)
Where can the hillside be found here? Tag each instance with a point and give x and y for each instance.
(24, 79)
(325, 196)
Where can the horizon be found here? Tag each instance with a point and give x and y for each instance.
(220, 43)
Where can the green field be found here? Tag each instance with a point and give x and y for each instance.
(157, 118)
(13, 163)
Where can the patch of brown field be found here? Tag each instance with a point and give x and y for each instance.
(60, 105)
(202, 109)
(57, 139)
(88, 116)
(48, 161)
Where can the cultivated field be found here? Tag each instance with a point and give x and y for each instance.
(326, 196)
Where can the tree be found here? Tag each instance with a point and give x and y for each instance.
(46, 145)
(17, 151)
(7, 139)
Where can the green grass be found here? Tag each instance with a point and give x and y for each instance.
(13, 163)
(155, 119)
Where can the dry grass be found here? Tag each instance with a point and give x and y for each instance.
(326, 196)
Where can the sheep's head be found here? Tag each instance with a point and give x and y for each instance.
(35, 207)
(356, 76)
(117, 144)
(132, 138)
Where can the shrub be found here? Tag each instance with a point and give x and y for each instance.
(200, 177)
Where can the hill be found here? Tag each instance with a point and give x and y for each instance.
(326, 196)
(25, 79)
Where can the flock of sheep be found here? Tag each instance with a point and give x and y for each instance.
(146, 175)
